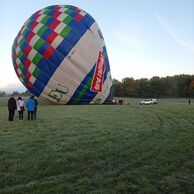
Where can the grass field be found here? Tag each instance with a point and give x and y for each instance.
(99, 149)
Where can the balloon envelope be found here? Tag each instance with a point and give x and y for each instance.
(60, 56)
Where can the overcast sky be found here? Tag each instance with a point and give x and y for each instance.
(144, 38)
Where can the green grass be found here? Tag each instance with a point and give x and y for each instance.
(99, 149)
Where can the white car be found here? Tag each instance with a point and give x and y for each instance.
(148, 101)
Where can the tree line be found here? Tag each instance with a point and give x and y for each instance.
(15, 93)
(156, 87)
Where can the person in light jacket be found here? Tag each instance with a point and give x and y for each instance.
(30, 106)
(20, 108)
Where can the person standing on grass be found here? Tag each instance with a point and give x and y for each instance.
(20, 108)
(189, 101)
(36, 104)
(11, 108)
(30, 106)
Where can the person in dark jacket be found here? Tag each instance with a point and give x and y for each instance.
(11, 107)
(189, 101)
(36, 104)
(30, 106)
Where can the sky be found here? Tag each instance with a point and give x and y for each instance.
(144, 38)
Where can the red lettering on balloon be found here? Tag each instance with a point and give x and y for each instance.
(97, 81)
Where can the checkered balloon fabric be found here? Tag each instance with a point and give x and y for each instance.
(60, 56)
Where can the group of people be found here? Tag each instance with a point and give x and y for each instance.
(19, 105)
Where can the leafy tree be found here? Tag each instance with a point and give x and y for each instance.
(144, 88)
(191, 89)
(127, 84)
(3, 94)
(15, 93)
(26, 93)
(157, 87)
(117, 88)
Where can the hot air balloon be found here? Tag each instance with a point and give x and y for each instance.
(60, 56)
